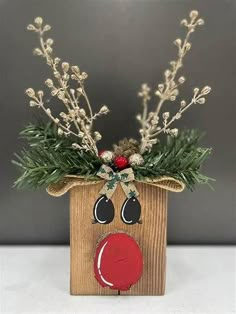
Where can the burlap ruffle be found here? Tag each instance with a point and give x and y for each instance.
(70, 181)
(166, 183)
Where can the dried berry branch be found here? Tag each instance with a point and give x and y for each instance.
(151, 126)
(76, 121)
(198, 97)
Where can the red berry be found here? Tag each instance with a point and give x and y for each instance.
(121, 162)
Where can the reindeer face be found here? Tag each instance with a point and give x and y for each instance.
(118, 261)
(115, 244)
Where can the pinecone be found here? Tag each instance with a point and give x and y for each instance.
(126, 147)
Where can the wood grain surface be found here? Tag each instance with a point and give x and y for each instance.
(150, 235)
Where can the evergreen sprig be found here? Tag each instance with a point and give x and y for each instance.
(50, 157)
(179, 157)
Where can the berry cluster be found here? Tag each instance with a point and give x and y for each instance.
(120, 161)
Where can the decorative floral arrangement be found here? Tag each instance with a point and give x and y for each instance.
(67, 145)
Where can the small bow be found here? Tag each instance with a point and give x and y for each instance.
(124, 177)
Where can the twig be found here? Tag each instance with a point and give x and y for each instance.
(75, 115)
(151, 123)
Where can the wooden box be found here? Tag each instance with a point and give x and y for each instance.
(150, 235)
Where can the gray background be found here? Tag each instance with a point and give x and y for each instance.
(122, 44)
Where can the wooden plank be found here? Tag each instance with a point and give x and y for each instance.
(150, 235)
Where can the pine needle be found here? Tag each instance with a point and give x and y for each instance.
(50, 157)
(180, 158)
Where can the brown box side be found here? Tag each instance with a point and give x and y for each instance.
(150, 235)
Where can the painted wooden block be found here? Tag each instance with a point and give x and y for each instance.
(123, 251)
(150, 236)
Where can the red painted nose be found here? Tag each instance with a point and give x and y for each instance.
(118, 262)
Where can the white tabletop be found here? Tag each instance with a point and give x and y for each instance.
(35, 279)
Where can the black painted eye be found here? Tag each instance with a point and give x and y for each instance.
(131, 211)
(103, 210)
